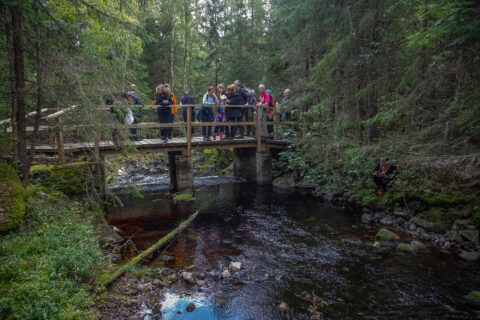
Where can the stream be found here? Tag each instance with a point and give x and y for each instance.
(300, 258)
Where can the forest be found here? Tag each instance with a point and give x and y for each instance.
(398, 79)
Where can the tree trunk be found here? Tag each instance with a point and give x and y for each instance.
(39, 99)
(13, 88)
(18, 51)
(215, 20)
(172, 47)
(186, 4)
(371, 95)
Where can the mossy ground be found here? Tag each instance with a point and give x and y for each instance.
(184, 196)
(47, 264)
(12, 198)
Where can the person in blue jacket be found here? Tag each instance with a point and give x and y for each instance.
(205, 114)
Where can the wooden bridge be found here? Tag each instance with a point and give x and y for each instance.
(252, 155)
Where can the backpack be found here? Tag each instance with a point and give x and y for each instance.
(273, 101)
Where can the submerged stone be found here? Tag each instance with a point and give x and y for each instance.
(235, 266)
(405, 247)
(473, 298)
(469, 256)
(470, 235)
(385, 234)
(226, 274)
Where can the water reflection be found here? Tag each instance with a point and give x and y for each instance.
(294, 250)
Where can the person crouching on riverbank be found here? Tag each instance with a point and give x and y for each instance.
(383, 174)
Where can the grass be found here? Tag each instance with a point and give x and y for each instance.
(46, 267)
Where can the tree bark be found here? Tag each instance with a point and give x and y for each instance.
(18, 51)
(39, 99)
(371, 95)
(186, 4)
(13, 88)
(172, 47)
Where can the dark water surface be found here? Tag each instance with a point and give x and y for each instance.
(311, 258)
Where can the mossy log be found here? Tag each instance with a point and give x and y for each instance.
(107, 278)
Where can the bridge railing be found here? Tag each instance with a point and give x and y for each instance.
(57, 128)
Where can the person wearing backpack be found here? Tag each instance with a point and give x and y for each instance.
(187, 99)
(249, 111)
(266, 101)
(134, 99)
(384, 174)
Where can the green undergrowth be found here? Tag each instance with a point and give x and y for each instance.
(48, 265)
(344, 167)
(12, 198)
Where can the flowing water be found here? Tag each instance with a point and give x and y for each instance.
(301, 259)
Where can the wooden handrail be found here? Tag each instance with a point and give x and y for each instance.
(59, 113)
(28, 115)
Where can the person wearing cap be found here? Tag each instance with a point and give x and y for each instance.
(243, 100)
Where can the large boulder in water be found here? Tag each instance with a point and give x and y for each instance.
(12, 198)
(284, 182)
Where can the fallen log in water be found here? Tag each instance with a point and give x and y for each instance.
(107, 278)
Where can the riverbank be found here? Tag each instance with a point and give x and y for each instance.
(49, 264)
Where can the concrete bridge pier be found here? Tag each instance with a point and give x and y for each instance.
(180, 168)
(252, 165)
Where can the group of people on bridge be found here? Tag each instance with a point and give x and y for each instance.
(234, 103)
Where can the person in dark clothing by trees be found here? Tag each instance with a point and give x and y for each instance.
(243, 99)
(163, 100)
(205, 114)
(249, 111)
(383, 174)
(134, 99)
(187, 99)
(234, 114)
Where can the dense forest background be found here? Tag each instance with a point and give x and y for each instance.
(398, 77)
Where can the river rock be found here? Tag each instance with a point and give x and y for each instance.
(385, 234)
(430, 225)
(473, 298)
(402, 214)
(471, 235)
(283, 306)
(405, 247)
(188, 277)
(201, 283)
(305, 185)
(454, 235)
(386, 221)
(463, 224)
(418, 244)
(190, 307)
(235, 266)
(284, 182)
(366, 210)
(366, 218)
(412, 227)
(226, 274)
(469, 256)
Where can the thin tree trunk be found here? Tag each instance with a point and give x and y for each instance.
(172, 47)
(186, 4)
(39, 99)
(215, 20)
(371, 95)
(18, 50)
(13, 88)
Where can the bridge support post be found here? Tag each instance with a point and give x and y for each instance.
(181, 170)
(252, 165)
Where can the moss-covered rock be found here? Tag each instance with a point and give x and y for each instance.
(12, 198)
(386, 235)
(74, 179)
(473, 298)
(435, 220)
(405, 247)
(441, 200)
(184, 196)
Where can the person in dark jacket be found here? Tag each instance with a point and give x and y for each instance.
(243, 97)
(205, 114)
(163, 100)
(136, 108)
(383, 174)
(234, 114)
(187, 99)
